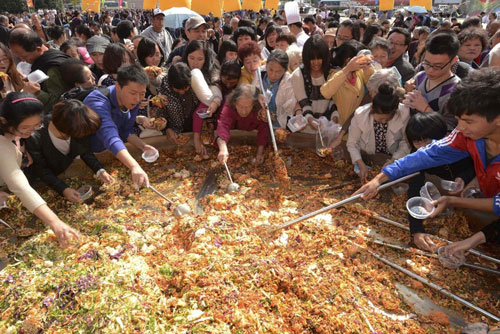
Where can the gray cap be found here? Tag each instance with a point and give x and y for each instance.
(97, 44)
(194, 22)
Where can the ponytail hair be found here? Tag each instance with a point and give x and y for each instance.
(386, 101)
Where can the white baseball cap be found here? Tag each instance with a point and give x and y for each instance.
(157, 11)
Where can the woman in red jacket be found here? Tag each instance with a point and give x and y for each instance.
(242, 111)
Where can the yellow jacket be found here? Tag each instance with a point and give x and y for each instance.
(249, 78)
(246, 77)
(345, 95)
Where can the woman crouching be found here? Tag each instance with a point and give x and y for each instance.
(242, 111)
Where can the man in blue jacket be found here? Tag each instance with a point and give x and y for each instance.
(474, 102)
(118, 112)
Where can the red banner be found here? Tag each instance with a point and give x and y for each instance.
(29, 3)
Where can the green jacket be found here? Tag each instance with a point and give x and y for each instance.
(51, 89)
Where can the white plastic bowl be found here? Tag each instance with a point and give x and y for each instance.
(150, 155)
(297, 123)
(24, 68)
(37, 76)
(202, 113)
(430, 191)
(452, 262)
(452, 186)
(419, 207)
(400, 188)
(85, 192)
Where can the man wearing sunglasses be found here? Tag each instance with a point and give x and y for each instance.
(431, 88)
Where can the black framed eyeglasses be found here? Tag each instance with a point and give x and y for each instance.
(436, 67)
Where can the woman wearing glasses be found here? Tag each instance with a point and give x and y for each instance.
(10, 79)
(347, 30)
(20, 116)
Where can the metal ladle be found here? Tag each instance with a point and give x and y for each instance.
(320, 136)
(180, 210)
(279, 164)
(323, 151)
(232, 187)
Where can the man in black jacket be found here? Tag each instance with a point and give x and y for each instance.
(400, 40)
(67, 136)
(29, 47)
(4, 29)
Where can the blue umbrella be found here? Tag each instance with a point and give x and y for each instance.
(417, 9)
(175, 15)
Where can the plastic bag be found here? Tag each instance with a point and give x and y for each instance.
(330, 130)
(327, 131)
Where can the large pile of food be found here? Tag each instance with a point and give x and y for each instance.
(138, 269)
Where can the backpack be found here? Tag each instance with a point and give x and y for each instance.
(80, 94)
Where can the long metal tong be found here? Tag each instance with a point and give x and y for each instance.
(420, 252)
(431, 284)
(271, 230)
(404, 227)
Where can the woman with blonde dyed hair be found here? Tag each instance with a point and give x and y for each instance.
(294, 57)
(11, 80)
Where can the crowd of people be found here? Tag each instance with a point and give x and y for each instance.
(419, 93)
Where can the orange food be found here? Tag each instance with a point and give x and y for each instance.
(159, 101)
(182, 139)
(223, 263)
(206, 138)
(323, 152)
(440, 318)
(416, 284)
(352, 250)
(363, 60)
(160, 123)
(281, 135)
(280, 172)
(153, 70)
